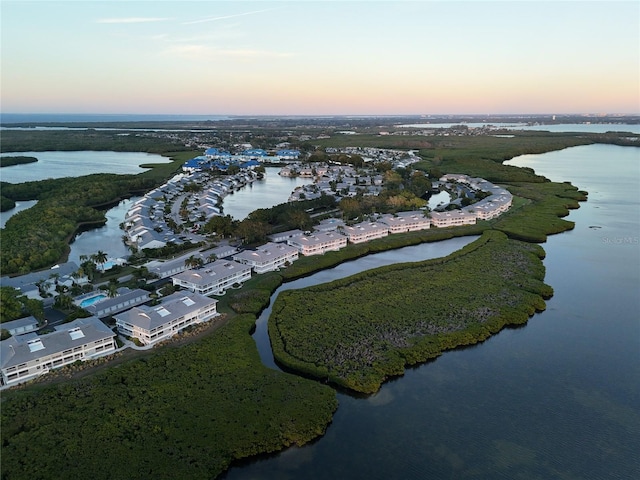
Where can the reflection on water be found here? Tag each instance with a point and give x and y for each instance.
(273, 190)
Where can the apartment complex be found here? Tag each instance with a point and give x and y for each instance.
(268, 257)
(318, 243)
(215, 278)
(24, 357)
(151, 324)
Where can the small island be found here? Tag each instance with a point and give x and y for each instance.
(19, 160)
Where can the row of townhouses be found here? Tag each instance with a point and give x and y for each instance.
(147, 222)
(332, 235)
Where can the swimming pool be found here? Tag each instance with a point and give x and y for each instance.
(90, 301)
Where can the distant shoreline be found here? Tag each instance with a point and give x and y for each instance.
(33, 120)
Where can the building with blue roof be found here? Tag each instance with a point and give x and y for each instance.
(255, 152)
(288, 154)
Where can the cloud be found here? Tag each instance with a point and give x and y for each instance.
(225, 17)
(132, 20)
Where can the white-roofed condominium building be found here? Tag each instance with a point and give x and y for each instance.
(151, 324)
(453, 218)
(406, 221)
(28, 356)
(268, 257)
(365, 231)
(215, 278)
(318, 243)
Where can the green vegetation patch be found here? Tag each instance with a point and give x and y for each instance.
(11, 161)
(191, 409)
(549, 202)
(358, 331)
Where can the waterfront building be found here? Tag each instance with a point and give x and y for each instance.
(151, 324)
(318, 243)
(28, 356)
(268, 257)
(453, 218)
(28, 283)
(365, 231)
(214, 278)
(406, 221)
(491, 207)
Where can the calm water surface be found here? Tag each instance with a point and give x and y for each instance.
(75, 164)
(557, 398)
(271, 191)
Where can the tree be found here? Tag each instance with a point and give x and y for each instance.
(220, 225)
(191, 262)
(419, 184)
(112, 288)
(299, 219)
(63, 301)
(252, 231)
(89, 268)
(100, 258)
(10, 306)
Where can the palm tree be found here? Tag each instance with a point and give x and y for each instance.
(212, 258)
(191, 262)
(64, 301)
(100, 258)
(77, 274)
(112, 290)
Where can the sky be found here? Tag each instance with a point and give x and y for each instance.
(319, 57)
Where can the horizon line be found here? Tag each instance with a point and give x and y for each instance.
(313, 115)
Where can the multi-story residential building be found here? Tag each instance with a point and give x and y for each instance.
(215, 278)
(151, 324)
(491, 207)
(365, 231)
(453, 218)
(268, 257)
(406, 221)
(318, 243)
(28, 356)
